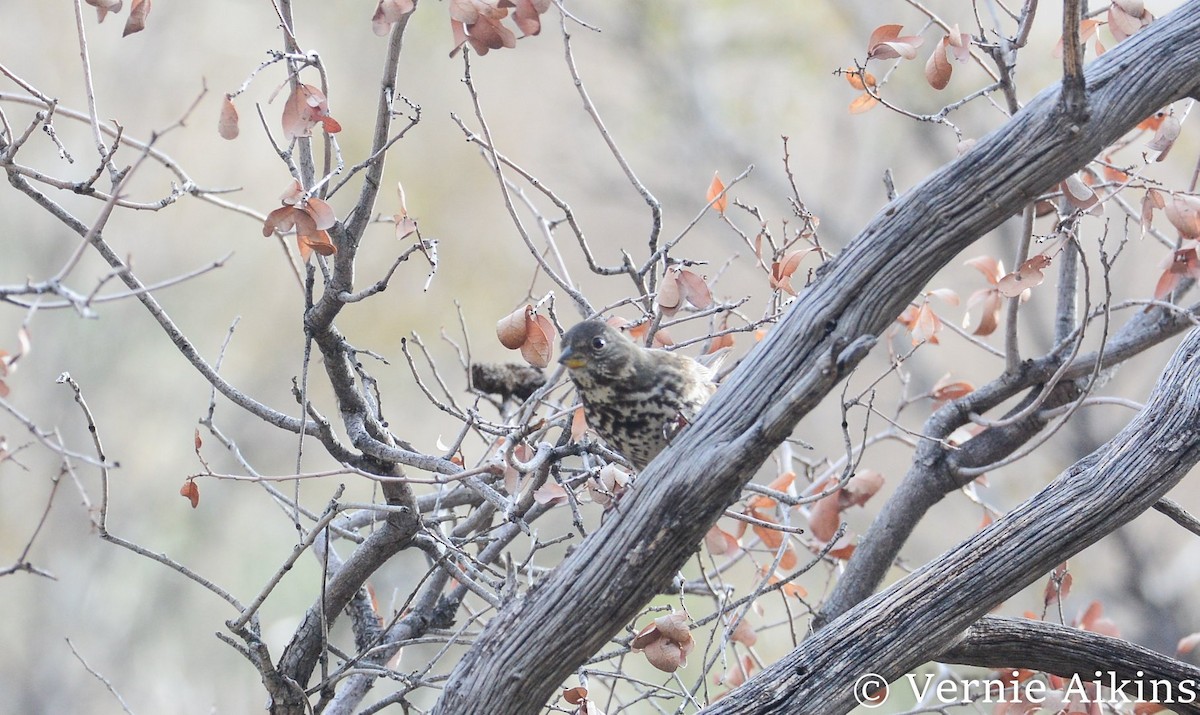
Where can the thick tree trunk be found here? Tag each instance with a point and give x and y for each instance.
(917, 619)
(539, 639)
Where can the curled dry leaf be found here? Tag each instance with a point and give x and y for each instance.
(1087, 28)
(609, 485)
(1153, 199)
(575, 695)
(946, 390)
(227, 125)
(1164, 137)
(191, 492)
(103, 7)
(783, 269)
(887, 43)
(1182, 263)
(864, 102)
(1183, 211)
(538, 347)
(1078, 193)
(1127, 17)
(511, 329)
(666, 642)
(306, 107)
(721, 543)
(1028, 275)
(716, 194)
(825, 515)
(744, 633)
(136, 21)
(937, 67)
(388, 13)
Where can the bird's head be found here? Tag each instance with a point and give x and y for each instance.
(597, 349)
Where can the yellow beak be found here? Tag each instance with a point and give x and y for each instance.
(572, 360)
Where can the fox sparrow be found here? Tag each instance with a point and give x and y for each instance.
(632, 396)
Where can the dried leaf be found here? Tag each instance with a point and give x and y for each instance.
(863, 103)
(388, 13)
(103, 7)
(527, 15)
(721, 543)
(538, 347)
(938, 68)
(716, 194)
(227, 125)
(137, 17)
(887, 43)
(511, 329)
(321, 212)
(191, 492)
(695, 290)
(1183, 211)
(1164, 137)
(670, 295)
(1078, 193)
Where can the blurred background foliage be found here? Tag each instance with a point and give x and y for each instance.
(685, 88)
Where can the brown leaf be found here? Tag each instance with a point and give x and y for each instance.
(227, 125)
(512, 329)
(861, 487)
(538, 347)
(1153, 199)
(716, 194)
(307, 106)
(938, 68)
(191, 491)
(695, 290)
(991, 268)
(103, 7)
(945, 390)
(321, 212)
(575, 695)
(137, 17)
(388, 13)
(196, 441)
(720, 542)
(317, 242)
(527, 15)
(782, 270)
(670, 294)
(887, 43)
(1029, 275)
(1164, 137)
(1183, 211)
(744, 633)
(1127, 17)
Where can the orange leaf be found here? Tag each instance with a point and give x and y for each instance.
(191, 491)
(863, 103)
(716, 194)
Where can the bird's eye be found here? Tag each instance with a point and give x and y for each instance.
(598, 343)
